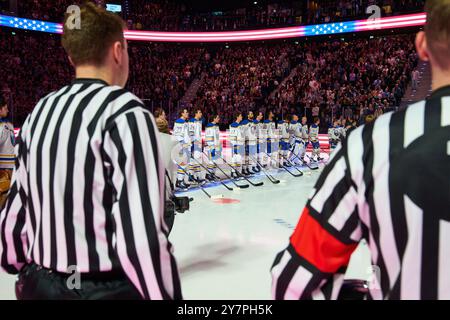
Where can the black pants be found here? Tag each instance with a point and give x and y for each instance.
(37, 283)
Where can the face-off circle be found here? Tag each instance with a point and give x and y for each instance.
(226, 201)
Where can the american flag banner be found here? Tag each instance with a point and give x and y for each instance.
(30, 24)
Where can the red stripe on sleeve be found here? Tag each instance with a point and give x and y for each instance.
(318, 246)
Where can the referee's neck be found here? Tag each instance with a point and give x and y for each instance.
(92, 72)
(441, 78)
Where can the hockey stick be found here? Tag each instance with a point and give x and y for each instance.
(312, 160)
(271, 178)
(259, 184)
(244, 186)
(293, 165)
(283, 167)
(304, 162)
(204, 191)
(207, 170)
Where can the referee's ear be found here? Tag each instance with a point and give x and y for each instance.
(121, 62)
(422, 47)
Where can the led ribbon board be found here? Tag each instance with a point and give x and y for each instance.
(231, 36)
(30, 24)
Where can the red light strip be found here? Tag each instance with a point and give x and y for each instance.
(268, 34)
(215, 39)
(216, 34)
(391, 25)
(386, 23)
(394, 19)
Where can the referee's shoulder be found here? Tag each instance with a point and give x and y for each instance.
(383, 123)
(119, 97)
(120, 103)
(43, 100)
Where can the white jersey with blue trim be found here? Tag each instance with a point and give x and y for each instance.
(7, 156)
(262, 131)
(244, 128)
(236, 134)
(212, 135)
(314, 133)
(284, 130)
(305, 132)
(335, 133)
(296, 130)
(330, 132)
(269, 126)
(181, 131)
(252, 133)
(195, 130)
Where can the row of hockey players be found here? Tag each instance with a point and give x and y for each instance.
(255, 143)
(260, 143)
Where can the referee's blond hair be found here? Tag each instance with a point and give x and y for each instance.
(99, 30)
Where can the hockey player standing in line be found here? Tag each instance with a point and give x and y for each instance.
(292, 124)
(181, 134)
(314, 137)
(252, 141)
(305, 138)
(330, 132)
(262, 138)
(244, 126)
(296, 138)
(237, 141)
(335, 134)
(7, 157)
(213, 146)
(195, 132)
(283, 126)
(269, 126)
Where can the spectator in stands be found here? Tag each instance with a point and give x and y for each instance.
(161, 121)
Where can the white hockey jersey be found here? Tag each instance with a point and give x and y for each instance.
(284, 128)
(181, 132)
(237, 134)
(243, 125)
(252, 133)
(335, 133)
(314, 133)
(261, 132)
(212, 135)
(296, 131)
(305, 132)
(7, 156)
(195, 130)
(269, 126)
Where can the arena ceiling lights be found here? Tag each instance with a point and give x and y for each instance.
(232, 36)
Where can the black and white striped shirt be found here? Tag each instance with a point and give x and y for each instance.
(88, 190)
(388, 183)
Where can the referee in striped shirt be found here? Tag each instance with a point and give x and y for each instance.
(388, 183)
(88, 186)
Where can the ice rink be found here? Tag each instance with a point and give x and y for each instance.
(225, 251)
